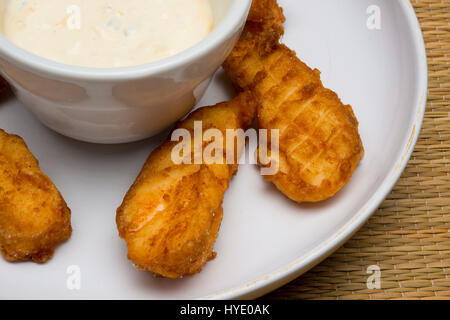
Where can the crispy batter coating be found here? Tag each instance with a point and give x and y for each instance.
(266, 13)
(171, 216)
(320, 146)
(34, 217)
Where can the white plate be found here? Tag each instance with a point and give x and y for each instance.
(265, 240)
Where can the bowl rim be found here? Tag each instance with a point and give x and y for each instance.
(233, 20)
(304, 263)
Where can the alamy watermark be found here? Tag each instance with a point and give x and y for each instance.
(212, 146)
(73, 281)
(374, 280)
(74, 18)
(374, 19)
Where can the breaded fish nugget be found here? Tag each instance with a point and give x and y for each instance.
(171, 216)
(319, 145)
(34, 217)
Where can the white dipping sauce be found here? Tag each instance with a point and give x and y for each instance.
(107, 33)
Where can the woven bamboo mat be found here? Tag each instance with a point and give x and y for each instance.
(409, 235)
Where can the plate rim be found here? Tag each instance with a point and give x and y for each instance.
(301, 265)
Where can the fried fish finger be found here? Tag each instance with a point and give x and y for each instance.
(34, 218)
(171, 216)
(319, 146)
(267, 15)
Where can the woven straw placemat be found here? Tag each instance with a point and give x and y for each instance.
(409, 236)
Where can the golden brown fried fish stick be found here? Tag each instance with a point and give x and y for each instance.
(171, 216)
(268, 14)
(320, 146)
(34, 218)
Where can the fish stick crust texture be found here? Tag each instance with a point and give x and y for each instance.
(266, 13)
(171, 216)
(34, 218)
(319, 145)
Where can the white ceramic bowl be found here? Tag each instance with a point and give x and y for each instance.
(119, 105)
